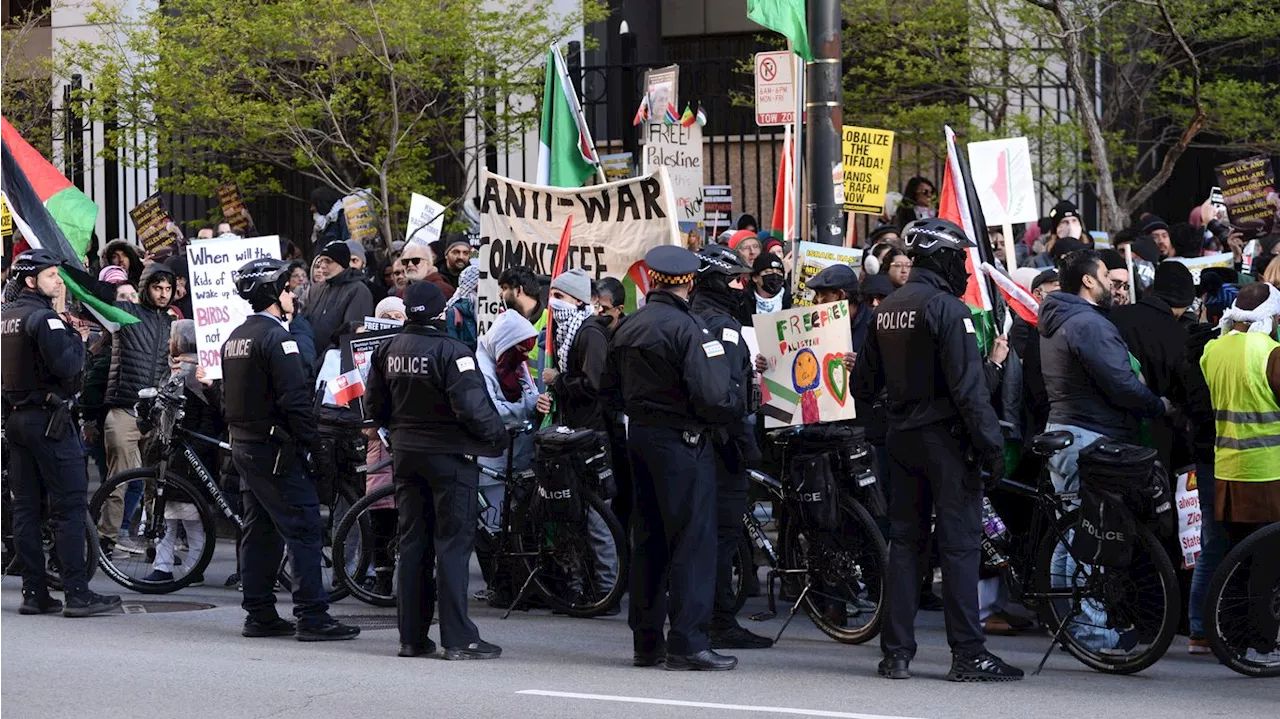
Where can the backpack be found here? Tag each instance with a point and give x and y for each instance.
(461, 323)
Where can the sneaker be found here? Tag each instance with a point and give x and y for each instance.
(895, 666)
(232, 580)
(273, 627)
(1263, 659)
(1125, 644)
(930, 602)
(735, 636)
(329, 630)
(981, 667)
(89, 604)
(129, 545)
(482, 595)
(198, 581)
(1198, 645)
(158, 576)
(475, 650)
(39, 603)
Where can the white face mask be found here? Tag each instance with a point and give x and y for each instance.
(319, 219)
(560, 305)
(1074, 230)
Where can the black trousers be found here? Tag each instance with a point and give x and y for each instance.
(928, 472)
(436, 499)
(673, 559)
(43, 470)
(731, 504)
(279, 509)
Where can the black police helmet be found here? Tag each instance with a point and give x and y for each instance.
(718, 259)
(33, 262)
(261, 281)
(925, 237)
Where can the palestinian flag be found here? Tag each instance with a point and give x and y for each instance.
(959, 204)
(778, 403)
(1017, 298)
(566, 155)
(40, 214)
(784, 218)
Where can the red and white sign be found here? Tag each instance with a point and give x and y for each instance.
(775, 88)
(346, 387)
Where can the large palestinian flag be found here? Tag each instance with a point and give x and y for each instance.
(959, 204)
(50, 213)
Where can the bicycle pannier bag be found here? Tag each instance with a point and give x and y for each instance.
(816, 486)
(1105, 530)
(558, 472)
(1131, 472)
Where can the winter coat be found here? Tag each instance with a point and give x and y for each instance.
(1087, 375)
(140, 351)
(507, 331)
(1024, 339)
(577, 387)
(202, 413)
(1159, 342)
(333, 306)
(304, 335)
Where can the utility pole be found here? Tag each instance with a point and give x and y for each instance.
(824, 102)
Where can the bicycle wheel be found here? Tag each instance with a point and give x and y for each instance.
(1120, 621)
(741, 564)
(330, 516)
(845, 571)
(563, 560)
(365, 549)
(1243, 606)
(170, 536)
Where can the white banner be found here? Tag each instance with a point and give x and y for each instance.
(614, 225)
(679, 150)
(218, 308)
(814, 257)
(426, 220)
(806, 380)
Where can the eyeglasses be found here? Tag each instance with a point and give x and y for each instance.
(1118, 285)
(412, 260)
(900, 265)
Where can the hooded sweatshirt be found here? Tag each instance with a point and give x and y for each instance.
(1087, 375)
(509, 330)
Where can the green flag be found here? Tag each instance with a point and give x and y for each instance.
(785, 17)
(566, 156)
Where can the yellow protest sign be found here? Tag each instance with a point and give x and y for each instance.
(866, 168)
(6, 220)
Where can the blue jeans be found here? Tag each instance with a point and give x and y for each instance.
(1213, 547)
(1089, 628)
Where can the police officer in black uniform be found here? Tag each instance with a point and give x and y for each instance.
(675, 384)
(267, 404)
(715, 299)
(42, 361)
(424, 388)
(923, 348)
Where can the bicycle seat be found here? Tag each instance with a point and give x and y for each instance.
(1052, 442)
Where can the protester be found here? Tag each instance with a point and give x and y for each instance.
(122, 254)
(766, 291)
(918, 199)
(522, 292)
(419, 267)
(1065, 224)
(181, 289)
(1024, 340)
(747, 244)
(746, 222)
(456, 257)
(896, 265)
(460, 310)
(581, 348)
(885, 234)
(1118, 273)
(1156, 228)
(341, 301)
(330, 221)
(611, 300)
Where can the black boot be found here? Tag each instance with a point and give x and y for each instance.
(895, 666)
(704, 661)
(416, 650)
(981, 667)
(89, 604)
(650, 657)
(732, 635)
(38, 602)
(328, 630)
(474, 650)
(272, 627)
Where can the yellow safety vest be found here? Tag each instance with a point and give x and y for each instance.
(534, 354)
(1246, 414)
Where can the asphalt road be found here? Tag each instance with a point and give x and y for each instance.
(196, 664)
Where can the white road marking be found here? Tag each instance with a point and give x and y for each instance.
(708, 705)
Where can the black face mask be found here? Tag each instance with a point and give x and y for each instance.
(771, 284)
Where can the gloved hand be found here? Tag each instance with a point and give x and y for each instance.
(992, 470)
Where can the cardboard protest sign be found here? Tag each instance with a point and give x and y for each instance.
(362, 223)
(357, 353)
(614, 225)
(426, 220)
(218, 308)
(812, 258)
(717, 208)
(153, 224)
(1250, 193)
(1195, 264)
(1188, 495)
(662, 85)
(382, 323)
(806, 381)
(234, 210)
(616, 166)
(6, 224)
(679, 150)
(867, 153)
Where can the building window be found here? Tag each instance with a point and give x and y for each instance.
(17, 11)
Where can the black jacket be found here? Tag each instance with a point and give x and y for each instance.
(716, 313)
(424, 387)
(577, 387)
(1087, 374)
(666, 370)
(1199, 403)
(1024, 340)
(924, 350)
(140, 351)
(1159, 342)
(41, 353)
(333, 306)
(265, 385)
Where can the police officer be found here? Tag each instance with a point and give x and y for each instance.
(674, 381)
(715, 300)
(42, 361)
(267, 404)
(923, 349)
(424, 388)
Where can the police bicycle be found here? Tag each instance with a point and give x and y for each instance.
(169, 505)
(1243, 605)
(9, 560)
(1116, 619)
(550, 558)
(830, 556)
